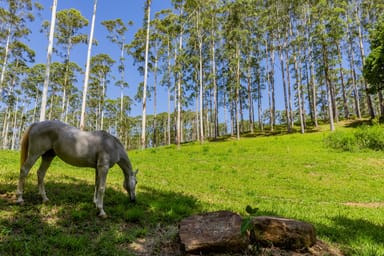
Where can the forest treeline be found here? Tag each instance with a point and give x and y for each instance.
(218, 60)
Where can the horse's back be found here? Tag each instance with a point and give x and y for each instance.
(76, 147)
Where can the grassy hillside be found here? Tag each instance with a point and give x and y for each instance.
(293, 176)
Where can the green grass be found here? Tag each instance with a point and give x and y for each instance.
(294, 176)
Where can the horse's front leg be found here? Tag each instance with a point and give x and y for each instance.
(96, 186)
(101, 178)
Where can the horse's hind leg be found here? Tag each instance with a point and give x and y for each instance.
(45, 163)
(24, 170)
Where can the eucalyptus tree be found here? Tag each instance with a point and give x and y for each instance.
(14, 17)
(213, 10)
(144, 102)
(359, 21)
(235, 35)
(87, 67)
(322, 41)
(179, 63)
(32, 85)
(351, 46)
(374, 64)
(160, 43)
(196, 32)
(117, 30)
(69, 23)
(48, 65)
(19, 57)
(369, 13)
(167, 29)
(100, 69)
(62, 73)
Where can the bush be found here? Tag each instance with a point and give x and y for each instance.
(344, 141)
(371, 137)
(365, 137)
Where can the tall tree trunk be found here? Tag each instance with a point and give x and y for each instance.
(155, 130)
(14, 125)
(237, 93)
(87, 69)
(344, 93)
(144, 114)
(362, 55)
(354, 83)
(48, 65)
(178, 97)
(250, 99)
(200, 39)
(289, 128)
(6, 52)
(329, 86)
(298, 89)
(215, 90)
(289, 91)
(271, 85)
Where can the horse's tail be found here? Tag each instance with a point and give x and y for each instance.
(24, 146)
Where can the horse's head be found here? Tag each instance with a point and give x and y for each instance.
(130, 185)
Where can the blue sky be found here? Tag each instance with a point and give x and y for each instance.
(127, 10)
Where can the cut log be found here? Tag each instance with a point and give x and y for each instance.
(215, 231)
(284, 233)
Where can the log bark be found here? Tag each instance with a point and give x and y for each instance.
(284, 233)
(215, 231)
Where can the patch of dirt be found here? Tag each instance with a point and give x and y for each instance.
(163, 241)
(365, 205)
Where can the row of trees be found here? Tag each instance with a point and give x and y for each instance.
(224, 65)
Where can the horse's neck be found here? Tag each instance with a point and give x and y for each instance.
(125, 164)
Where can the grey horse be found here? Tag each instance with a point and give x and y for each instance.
(98, 150)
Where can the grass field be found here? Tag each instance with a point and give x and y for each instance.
(294, 176)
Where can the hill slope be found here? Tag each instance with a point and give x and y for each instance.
(293, 176)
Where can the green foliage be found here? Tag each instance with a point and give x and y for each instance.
(247, 222)
(373, 70)
(365, 137)
(344, 141)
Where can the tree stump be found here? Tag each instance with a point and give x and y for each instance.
(215, 231)
(284, 233)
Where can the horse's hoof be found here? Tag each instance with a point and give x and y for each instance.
(20, 201)
(45, 201)
(103, 215)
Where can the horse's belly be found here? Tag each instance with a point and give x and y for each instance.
(79, 162)
(77, 155)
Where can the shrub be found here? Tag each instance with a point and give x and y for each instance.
(365, 137)
(371, 137)
(344, 141)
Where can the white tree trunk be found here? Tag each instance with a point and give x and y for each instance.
(5, 61)
(144, 117)
(85, 88)
(48, 66)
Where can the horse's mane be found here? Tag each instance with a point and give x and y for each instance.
(108, 135)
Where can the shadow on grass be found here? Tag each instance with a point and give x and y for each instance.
(349, 232)
(68, 224)
(358, 123)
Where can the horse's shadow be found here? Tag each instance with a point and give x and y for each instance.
(152, 203)
(71, 211)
